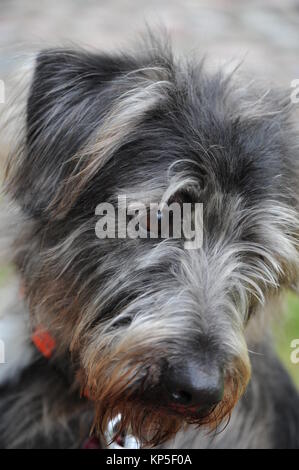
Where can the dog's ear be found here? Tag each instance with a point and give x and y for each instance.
(70, 102)
(82, 107)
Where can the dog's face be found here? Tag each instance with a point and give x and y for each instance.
(156, 330)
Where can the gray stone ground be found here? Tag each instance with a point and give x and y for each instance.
(265, 33)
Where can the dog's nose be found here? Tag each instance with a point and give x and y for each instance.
(195, 385)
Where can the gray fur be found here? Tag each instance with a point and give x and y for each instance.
(157, 129)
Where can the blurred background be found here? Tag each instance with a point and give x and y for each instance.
(264, 34)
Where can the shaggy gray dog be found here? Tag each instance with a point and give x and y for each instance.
(172, 341)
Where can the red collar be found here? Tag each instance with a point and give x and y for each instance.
(46, 345)
(44, 342)
(41, 338)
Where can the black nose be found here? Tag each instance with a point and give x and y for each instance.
(194, 384)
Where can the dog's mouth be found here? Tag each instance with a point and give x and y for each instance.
(117, 438)
(191, 412)
(137, 424)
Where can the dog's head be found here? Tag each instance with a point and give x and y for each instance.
(156, 330)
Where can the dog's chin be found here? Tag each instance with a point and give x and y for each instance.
(153, 425)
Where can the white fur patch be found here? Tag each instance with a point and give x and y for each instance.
(14, 334)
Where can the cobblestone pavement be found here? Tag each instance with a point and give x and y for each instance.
(265, 33)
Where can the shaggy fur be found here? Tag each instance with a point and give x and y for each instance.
(124, 312)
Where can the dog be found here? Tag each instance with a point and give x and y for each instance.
(168, 345)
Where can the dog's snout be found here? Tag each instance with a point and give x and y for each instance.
(194, 385)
